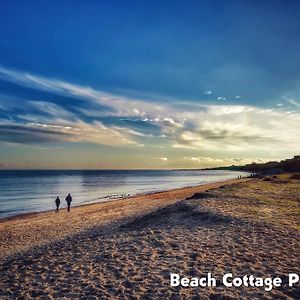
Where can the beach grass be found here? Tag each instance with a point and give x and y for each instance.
(275, 201)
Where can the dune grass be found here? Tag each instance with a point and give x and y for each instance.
(276, 201)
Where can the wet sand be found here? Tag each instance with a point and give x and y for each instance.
(126, 249)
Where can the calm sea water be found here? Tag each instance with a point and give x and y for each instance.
(30, 191)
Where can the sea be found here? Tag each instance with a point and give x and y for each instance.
(32, 191)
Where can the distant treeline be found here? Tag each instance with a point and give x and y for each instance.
(287, 165)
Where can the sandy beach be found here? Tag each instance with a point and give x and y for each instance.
(126, 249)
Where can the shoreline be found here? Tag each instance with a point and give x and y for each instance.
(100, 201)
(128, 248)
(21, 232)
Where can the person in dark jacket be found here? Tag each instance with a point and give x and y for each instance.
(69, 200)
(57, 202)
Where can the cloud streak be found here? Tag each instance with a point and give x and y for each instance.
(209, 161)
(218, 128)
(35, 133)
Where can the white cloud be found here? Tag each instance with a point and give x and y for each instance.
(216, 162)
(163, 158)
(293, 102)
(52, 110)
(79, 131)
(209, 92)
(218, 128)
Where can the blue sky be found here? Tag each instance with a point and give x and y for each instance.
(148, 84)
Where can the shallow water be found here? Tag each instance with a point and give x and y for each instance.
(29, 191)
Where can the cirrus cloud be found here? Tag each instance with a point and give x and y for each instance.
(129, 121)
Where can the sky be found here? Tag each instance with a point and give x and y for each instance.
(148, 84)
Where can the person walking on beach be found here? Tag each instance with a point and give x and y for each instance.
(69, 200)
(57, 202)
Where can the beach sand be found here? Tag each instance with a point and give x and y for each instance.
(127, 249)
